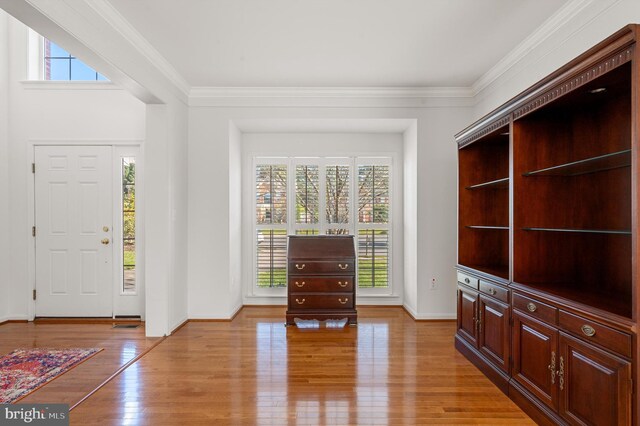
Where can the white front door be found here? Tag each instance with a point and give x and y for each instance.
(73, 215)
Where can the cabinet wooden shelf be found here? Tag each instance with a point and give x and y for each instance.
(494, 184)
(547, 201)
(582, 231)
(600, 163)
(500, 271)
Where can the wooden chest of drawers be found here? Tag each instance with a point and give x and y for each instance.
(321, 277)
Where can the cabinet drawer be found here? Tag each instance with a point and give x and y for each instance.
(535, 308)
(298, 267)
(495, 290)
(594, 332)
(303, 301)
(468, 280)
(304, 284)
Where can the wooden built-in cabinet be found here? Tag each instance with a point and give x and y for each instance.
(548, 192)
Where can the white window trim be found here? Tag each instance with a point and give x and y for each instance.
(35, 71)
(353, 160)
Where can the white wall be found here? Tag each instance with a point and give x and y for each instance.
(4, 168)
(210, 257)
(595, 22)
(410, 219)
(39, 112)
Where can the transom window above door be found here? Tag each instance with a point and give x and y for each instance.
(60, 65)
(322, 196)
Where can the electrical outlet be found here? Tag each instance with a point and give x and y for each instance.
(433, 284)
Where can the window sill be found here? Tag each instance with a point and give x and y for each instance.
(68, 85)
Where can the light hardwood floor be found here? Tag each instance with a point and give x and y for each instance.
(119, 347)
(387, 370)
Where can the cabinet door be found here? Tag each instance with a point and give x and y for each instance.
(535, 357)
(467, 315)
(595, 386)
(494, 336)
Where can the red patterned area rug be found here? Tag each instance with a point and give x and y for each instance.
(25, 370)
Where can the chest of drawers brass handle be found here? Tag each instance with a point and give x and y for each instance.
(492, 291)
(300, 267)
(300, 284)
(343, 267)
(588, 330)
(346, 299)
(532, 307)
(343, 284)
(300, 302)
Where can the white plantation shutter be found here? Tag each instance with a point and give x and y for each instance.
(271, 225)
(330, 196)
(307, 194)
(373, 225)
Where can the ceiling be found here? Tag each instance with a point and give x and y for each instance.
(335, 43)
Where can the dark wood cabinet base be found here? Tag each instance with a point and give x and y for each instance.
(500, 379)
(540, 413)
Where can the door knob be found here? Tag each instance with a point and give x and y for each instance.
(105, 241)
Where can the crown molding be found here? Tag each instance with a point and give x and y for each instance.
(400, 97)
(330, 92)
(109, 13)
(565, 14)
(559, 19)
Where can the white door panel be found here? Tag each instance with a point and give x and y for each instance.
(73, 202)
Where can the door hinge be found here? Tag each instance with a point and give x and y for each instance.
(34, 294)
(33, 167)
(33, 231)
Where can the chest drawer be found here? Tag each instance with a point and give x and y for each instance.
(301, 267)
(495, 290)
(535, 308)
(335, 284)
(304, 301)
(467, 280)
(592, 331)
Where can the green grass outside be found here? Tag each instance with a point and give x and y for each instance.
(129, 258)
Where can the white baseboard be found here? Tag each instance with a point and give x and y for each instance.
(429, 316)
(177, 325)
(235, 311)
(15, 318)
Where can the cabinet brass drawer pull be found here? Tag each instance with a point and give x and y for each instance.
(300, 267)
(343, 267)
(552, 368)
(588, 330)
(561, 373)
(343, 284)
(532, 307)
(300, 284)
(300, 302)
(492, 291)
(466, 280)
(346, 299)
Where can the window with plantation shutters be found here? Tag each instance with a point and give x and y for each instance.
(271, 225)
(373, 225)
(323, 196)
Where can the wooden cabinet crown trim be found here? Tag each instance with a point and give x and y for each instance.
(613, 51)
